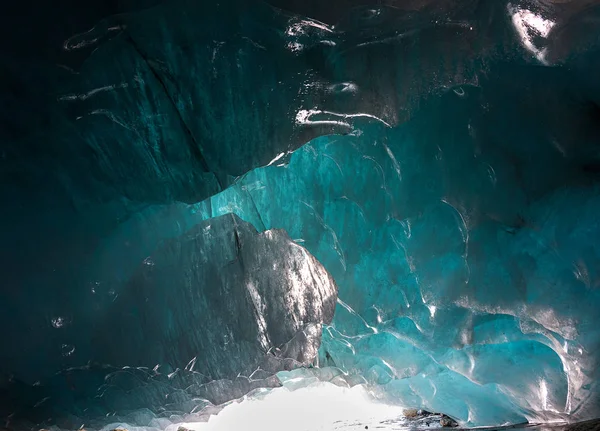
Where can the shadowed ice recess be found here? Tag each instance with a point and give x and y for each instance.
(396, 206)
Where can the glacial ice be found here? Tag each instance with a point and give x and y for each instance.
(187, 207)
(453, 307)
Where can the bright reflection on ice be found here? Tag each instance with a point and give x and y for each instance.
(318, 407)
(304, 117)
(544, 394)
(528, 25)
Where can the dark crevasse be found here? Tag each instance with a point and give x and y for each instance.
(439, 159)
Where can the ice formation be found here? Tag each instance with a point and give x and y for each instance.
(402, 200)
(246, 294)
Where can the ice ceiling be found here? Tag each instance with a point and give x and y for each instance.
(200, 197)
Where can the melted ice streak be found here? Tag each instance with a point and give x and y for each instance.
(464, 231)
(303, 117)
(260, 307)
(108, 114)
(336, 244)
(90, 37)
(527, 24)
(88, 94)
(351, 311)
(343, 87)
(298, 28)
(278, 157)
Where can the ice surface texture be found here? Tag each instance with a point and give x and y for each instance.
(452, 196)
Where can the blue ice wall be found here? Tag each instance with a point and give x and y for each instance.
(463, 287)
(448, 183)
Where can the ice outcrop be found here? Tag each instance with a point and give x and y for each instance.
(219, 310)
(250, 299)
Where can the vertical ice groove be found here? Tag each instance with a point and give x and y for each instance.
(464, 230)
(336, 244)
(379, 169)
(351, 311)
(90, 93)
(334, 161)
(394, 161)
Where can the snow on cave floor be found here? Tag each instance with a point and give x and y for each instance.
(326, 407)
(318, 407)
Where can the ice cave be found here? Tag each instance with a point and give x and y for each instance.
(318, 215)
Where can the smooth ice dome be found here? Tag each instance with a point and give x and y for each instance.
(395, 206)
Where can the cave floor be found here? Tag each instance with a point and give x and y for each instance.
(401, 425)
